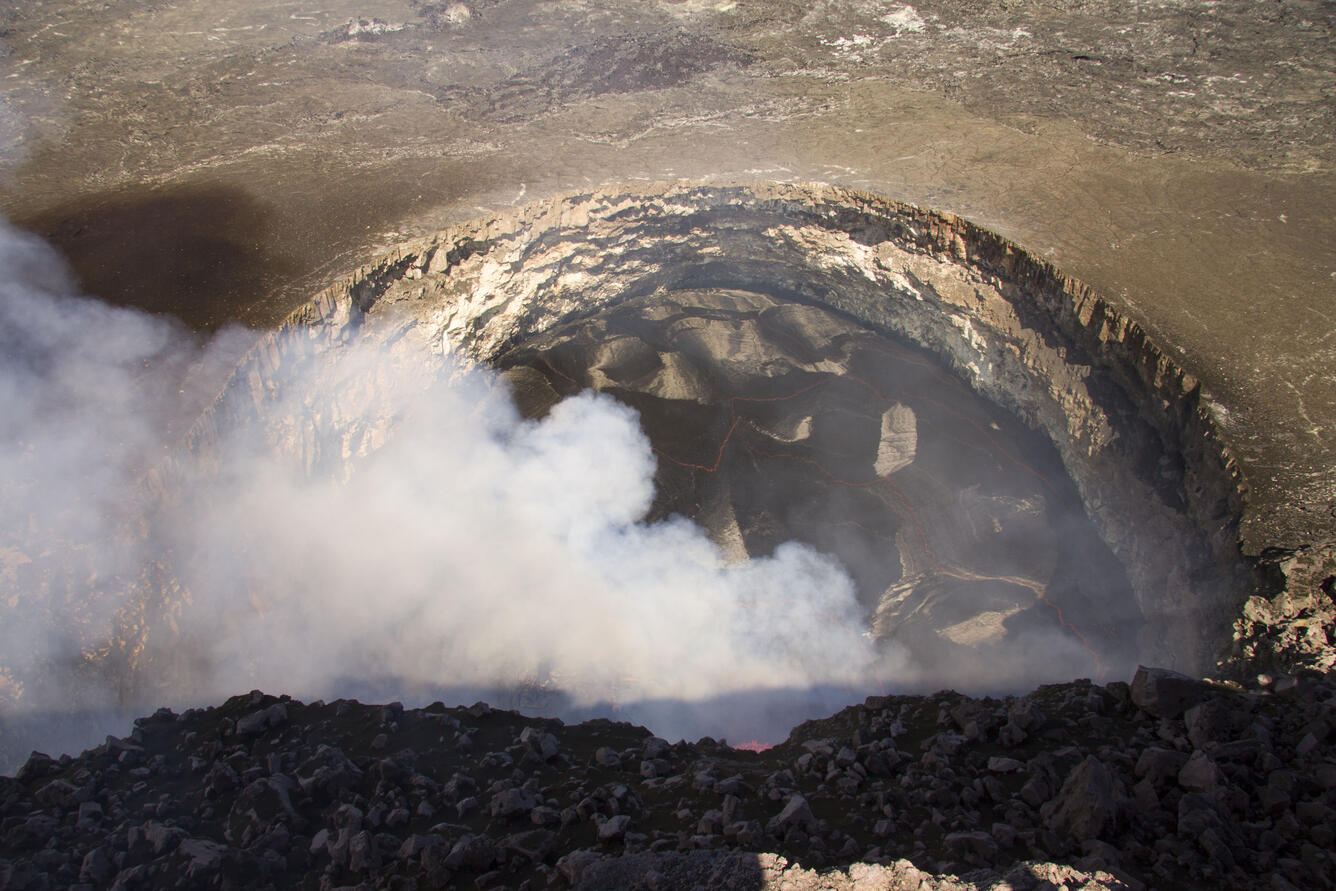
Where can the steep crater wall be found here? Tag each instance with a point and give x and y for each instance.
(1131, 429)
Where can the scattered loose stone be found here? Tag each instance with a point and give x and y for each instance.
(1206, 787)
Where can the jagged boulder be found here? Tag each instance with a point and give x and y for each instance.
(1166, 694)
(1085, 807)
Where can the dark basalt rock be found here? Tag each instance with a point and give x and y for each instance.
(1164, 693)
(900, 792)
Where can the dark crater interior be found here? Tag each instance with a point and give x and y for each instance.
(777, 421)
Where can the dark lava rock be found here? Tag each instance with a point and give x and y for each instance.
(1166, 694)
(1085, 807)
(1099, 794)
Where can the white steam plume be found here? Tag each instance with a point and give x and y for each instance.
(477, 548)
(455, 547)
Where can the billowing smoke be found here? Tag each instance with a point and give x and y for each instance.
(406, 535)
(474, 548)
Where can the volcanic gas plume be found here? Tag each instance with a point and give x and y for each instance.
(431, 542)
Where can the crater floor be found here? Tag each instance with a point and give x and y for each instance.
(778, 421)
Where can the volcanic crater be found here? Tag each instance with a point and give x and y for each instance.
(1003, 463)
(1019, 484)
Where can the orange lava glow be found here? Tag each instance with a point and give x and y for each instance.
(753, 746)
